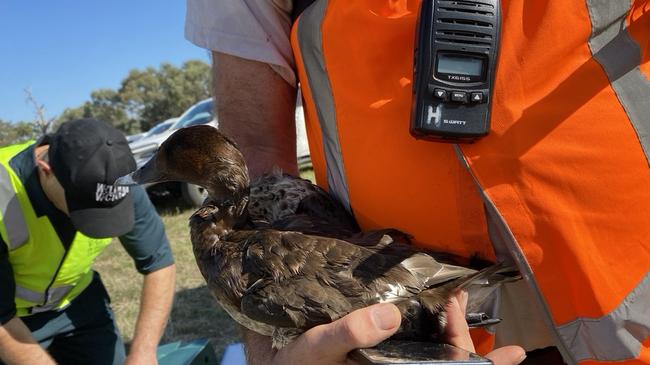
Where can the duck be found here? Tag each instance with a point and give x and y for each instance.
(281, 256)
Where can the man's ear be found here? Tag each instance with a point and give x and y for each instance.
(42, 164)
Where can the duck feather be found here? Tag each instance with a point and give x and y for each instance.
(282, 256)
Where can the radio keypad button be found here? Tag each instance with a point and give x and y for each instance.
(459, 96)
(440, 94)
(477, 97)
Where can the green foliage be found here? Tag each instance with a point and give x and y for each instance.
(155, 95)
(72, 114)
(11, 133)
(106, 105)
(146, 97)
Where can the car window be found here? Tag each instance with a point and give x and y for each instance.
(161, 127)
(200, 118)
(197, 115)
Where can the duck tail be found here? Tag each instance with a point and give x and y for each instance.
(434, 299)
(483, 276)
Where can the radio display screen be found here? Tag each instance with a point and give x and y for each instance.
(459, 65)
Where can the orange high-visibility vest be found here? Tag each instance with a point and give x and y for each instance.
(563, 175)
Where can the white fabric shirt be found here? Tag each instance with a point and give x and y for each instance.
(258, 30)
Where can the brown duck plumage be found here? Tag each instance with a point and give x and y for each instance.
(281, 256)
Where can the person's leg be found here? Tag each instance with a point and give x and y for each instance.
(94, 337)
(84, 332)
(99, 343)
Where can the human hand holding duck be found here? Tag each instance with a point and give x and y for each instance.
(331, 343)
(286, 261)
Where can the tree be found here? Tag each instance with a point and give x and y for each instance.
(152, 96)
(41, 123)
(145, 98)
(11, 133)
(105, 105)
(72, 114)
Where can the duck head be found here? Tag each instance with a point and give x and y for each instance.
(203, 156)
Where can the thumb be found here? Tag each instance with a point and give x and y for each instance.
(364, 327)
(507, 355)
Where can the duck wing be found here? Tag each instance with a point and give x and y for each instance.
(313, 225)
(301, 281)
(287, 282)
(285, 202)
(270, 265)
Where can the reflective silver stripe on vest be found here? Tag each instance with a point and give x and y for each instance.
(29, 295)
(505, 241)
(54, 297)
(311, 49)
(12, 214)
(620, 55)
(616, 336)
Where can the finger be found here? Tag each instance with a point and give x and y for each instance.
(507, 355)
(332, 342)
(457, 331)
(463, 298)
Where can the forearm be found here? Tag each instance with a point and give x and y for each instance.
(155, 305)
(17, 346)
(258, 348)
(256, 108)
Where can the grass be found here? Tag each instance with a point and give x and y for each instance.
(195, 313)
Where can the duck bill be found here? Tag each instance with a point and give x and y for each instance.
(147, 174)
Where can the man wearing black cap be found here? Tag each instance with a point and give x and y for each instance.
(58, 211)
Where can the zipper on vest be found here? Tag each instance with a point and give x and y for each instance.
(56, 273)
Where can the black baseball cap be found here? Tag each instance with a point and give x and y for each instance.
(87, 156)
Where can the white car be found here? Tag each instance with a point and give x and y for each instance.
(142, 149)
(160, 127)
(134, 137)
(202, 113)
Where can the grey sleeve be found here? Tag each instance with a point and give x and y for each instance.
(258, 30)
(147, 242)
(7, 286)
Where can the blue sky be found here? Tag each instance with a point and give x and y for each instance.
(64, 49)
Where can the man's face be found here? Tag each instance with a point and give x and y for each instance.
(50, 184)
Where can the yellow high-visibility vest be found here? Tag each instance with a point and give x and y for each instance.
(47, 275)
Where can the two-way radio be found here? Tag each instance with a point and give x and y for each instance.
(454, 66)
